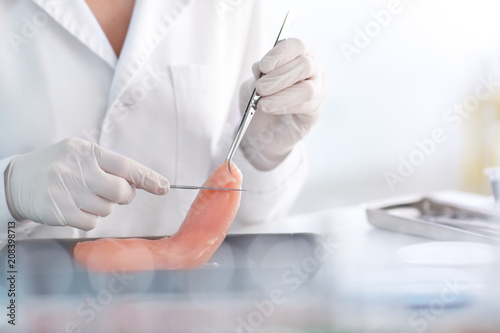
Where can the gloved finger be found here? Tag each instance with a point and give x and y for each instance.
(111, 187)
(303, 98)
(284, 52)
(94, 204)
(82, 220)
(79, 194)
(135, 173)
(246, 90)
(256, 71)
(299, 69)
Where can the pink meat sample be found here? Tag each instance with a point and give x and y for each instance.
(202, 232)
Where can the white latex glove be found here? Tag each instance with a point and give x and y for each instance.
(293, 90)
(72, 182)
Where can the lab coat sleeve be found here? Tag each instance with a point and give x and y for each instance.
(270, 194)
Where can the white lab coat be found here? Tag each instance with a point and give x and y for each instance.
(170, 101)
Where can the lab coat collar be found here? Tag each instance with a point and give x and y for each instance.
(77, 18)
(150, 22)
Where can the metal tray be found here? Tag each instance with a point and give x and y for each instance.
(431, 218)
(243, 262)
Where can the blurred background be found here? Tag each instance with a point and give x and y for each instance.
(394, 88)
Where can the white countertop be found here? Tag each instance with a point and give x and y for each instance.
(363, 286)
(371, 275)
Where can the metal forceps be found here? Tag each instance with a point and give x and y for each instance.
(254, 99)
(190, 187)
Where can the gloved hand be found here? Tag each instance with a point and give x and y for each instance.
(292, 92)
(72, 182)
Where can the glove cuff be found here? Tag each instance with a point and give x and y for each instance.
(8, 198)
(262, 162)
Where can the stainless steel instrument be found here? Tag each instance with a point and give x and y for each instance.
(189, 187)
(431, 218)
(254, 98)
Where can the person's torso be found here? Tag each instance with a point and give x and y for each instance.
(169, 102)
